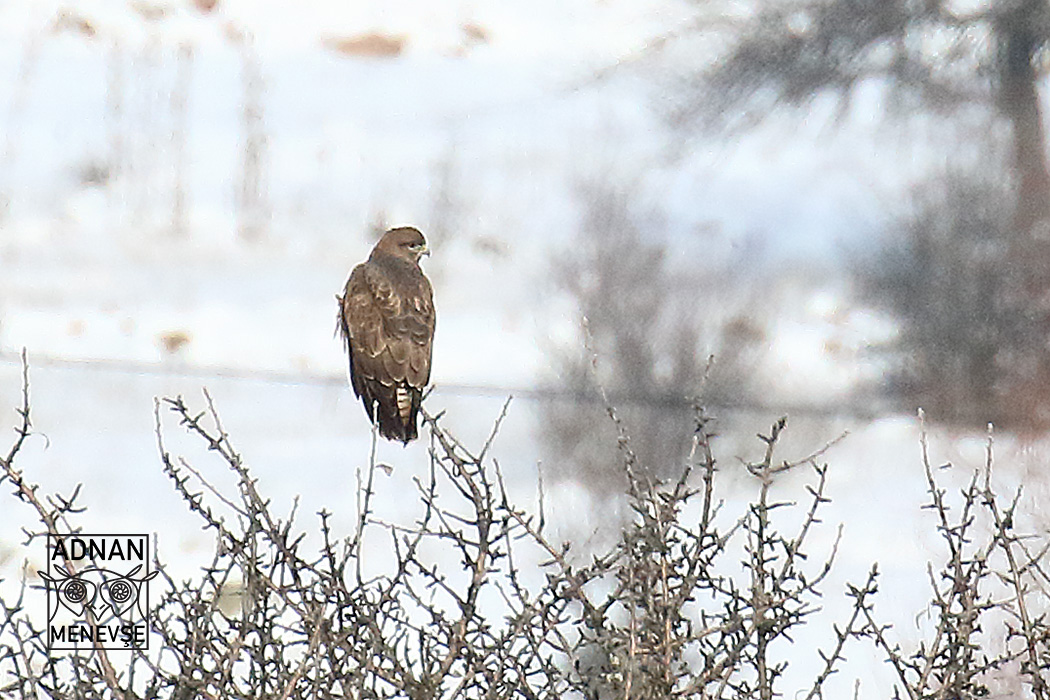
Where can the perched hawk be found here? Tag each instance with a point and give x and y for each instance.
(386, 318)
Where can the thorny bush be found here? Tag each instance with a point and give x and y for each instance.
(690, 603)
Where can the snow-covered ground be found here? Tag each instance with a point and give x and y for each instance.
(120, 120)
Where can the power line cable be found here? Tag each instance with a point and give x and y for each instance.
(331, 380)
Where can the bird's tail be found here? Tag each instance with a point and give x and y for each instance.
(398, 415)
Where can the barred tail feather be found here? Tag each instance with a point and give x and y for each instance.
(396, 410)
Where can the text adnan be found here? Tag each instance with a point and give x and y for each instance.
(96, 548)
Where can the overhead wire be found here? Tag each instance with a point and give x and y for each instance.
(539, 393)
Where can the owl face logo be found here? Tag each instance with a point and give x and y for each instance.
(97, 589)
(106, 593)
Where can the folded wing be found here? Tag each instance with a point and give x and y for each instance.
(387, 321)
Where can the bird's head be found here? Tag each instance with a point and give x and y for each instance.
(405, 242)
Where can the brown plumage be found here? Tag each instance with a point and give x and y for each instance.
(386, 318)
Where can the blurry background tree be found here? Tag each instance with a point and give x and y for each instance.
(971, 262)
(655, 312)
(944, 271)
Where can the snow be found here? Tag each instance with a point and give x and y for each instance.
(94, 282)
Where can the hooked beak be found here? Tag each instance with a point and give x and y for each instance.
(425, 253)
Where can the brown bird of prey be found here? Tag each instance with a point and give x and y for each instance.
(386, 318)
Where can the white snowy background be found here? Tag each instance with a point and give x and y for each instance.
(124, 273)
